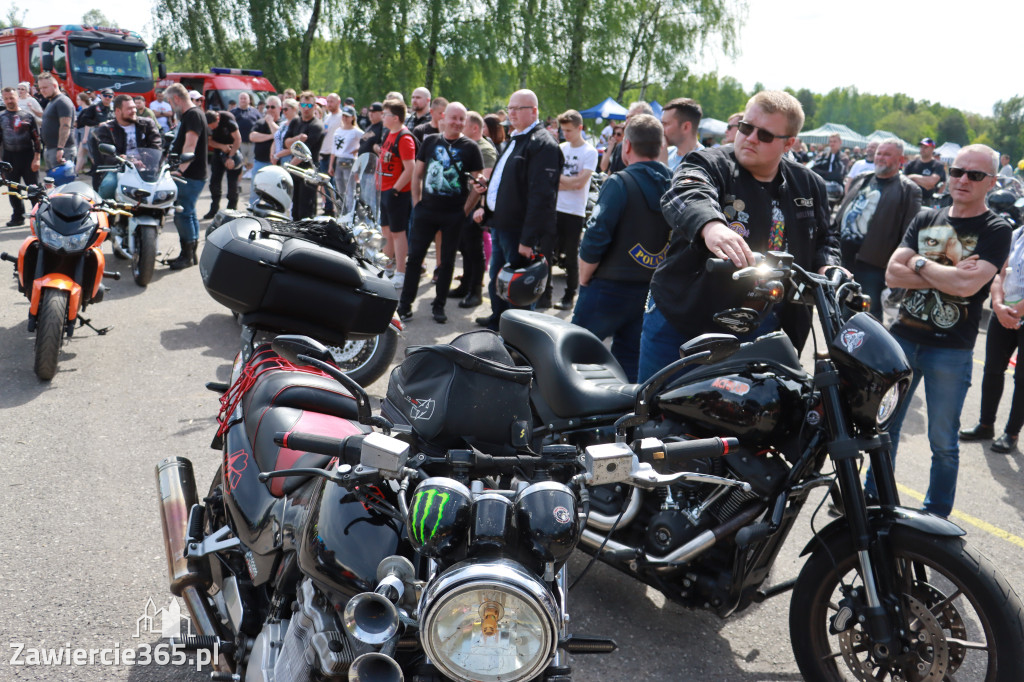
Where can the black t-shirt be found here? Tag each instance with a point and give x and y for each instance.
(445, 187)
(314, 131)
(374, 135)
(933, 318)
(421, 131)
(226, 127)
(933, 167)
(412, 120)
(261, 150)
(194, 121)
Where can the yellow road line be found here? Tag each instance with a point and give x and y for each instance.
(972, 520)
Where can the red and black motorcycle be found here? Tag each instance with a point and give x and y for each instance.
(59, 267)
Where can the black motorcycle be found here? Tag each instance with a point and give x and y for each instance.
(886, 593)
(332, 545)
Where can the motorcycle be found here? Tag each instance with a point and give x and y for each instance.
(333, 545)
(145, 183)
(364, 357)
(60, 266)
(886, 592)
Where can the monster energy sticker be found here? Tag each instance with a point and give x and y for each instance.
(427, 511)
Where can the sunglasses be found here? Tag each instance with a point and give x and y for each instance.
(972, 175)
(306, 105)
(763, 135)
(271, 106)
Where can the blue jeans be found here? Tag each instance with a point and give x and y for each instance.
(947, 376)
(256, 166)
(872, 283)
(616, 309)
(325, 163)
(187, 221)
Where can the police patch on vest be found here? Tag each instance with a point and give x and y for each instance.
(647, 259)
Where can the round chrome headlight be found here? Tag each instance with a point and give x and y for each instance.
(888, 405)
(490, 621)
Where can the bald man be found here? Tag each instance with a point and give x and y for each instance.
(420, 109)
(521, 196)
(440, 188)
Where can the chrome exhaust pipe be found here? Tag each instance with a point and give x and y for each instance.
(176, 485)
(374, 667)
(371, 618)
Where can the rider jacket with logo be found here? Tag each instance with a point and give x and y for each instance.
(147, 134)
(711, 185)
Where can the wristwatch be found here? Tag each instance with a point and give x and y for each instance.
(918, 264)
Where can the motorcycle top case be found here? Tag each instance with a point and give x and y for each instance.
(466, 392)
(294, 285)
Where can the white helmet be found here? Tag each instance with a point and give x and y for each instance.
(273, 185)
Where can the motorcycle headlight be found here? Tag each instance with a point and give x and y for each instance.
(60, 242)
(888, 405)
(164, 195)
(489, 621)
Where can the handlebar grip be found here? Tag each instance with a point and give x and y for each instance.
(322, 445)
(700, 447)
(717, 265)
(8, 257)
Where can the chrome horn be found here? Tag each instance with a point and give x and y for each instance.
(374, 667)
(372, 617)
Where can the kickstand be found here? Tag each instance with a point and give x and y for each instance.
(87, 323)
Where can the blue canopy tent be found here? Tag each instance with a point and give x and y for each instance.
(657, 109)
(608, 109)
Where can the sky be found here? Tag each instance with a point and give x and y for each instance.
(961, 54)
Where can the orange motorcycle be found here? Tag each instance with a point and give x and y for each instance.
(59, 267)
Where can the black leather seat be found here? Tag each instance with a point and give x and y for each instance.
(284, 400)
(575, 373)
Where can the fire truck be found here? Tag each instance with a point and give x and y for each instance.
(81, 57)
(222, 86)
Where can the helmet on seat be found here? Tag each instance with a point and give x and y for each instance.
(1003, 202)
(522, 286)
(273, 185)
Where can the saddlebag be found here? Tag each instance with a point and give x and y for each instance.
(468, 392)
(294, 285)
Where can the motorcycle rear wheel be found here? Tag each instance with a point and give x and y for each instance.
(50, 324)
(144, 255)
(968, 619)
(366, 360)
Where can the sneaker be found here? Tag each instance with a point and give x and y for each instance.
(404, 315)
(398, 280)
(15, 222)
(439, 315)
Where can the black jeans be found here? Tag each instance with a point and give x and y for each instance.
(568, 229)
(425, 224)
(472, 249)
(22, 172)
(1000, 343)
(217, 172)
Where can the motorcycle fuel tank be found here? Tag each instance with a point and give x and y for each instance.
(344, 542)
(750, 407)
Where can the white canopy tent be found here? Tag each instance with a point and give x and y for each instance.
(850, 138)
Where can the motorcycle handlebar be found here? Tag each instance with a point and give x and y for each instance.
(718, 265)
(345, 449)
(700, 447)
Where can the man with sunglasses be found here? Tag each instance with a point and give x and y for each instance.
(946, 263)
(262, 138)
(305, 127)
(727, 202)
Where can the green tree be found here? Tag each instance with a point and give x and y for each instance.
(1008, 126)
(95, 17)
(13, 18)
(952, 127)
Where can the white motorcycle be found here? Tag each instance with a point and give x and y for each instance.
(144, 181)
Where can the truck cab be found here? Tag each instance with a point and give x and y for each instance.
(222, 86)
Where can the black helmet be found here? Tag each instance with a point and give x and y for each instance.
(1003, 202)
(522, 286)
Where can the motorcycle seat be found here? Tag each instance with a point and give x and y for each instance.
(272, 457)
(280, 387)
(575, 373)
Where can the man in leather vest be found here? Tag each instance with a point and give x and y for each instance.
(626, 239)
(727, 203)
(127, 132)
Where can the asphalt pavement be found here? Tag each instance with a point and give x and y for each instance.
(81, 551)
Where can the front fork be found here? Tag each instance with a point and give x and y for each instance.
(875, 561)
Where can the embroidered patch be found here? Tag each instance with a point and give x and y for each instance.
(739, 228)
(649, 260)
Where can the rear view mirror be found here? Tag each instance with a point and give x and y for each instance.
(301, 151)
(108, 149)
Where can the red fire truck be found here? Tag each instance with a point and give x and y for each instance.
(222, 86)
(81, 57)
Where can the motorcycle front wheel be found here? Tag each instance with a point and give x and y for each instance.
(144, 255)
(50, 322)
(366, 360)
(965, 621)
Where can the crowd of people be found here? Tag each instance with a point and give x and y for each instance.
(508, 185)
